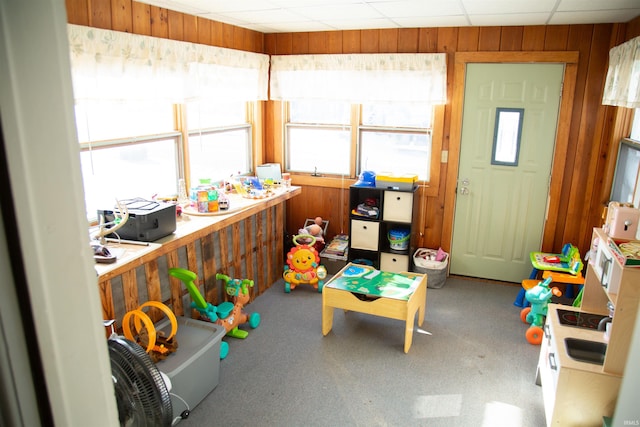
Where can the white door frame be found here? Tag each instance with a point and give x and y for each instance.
(570, 59)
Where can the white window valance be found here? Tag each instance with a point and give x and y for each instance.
(112, 65)
(360, 77)
(622, 87)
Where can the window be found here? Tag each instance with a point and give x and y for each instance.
(319, 137)
(396, 138)
(127, 150)
(389, 137)
(219, 140)
(135, 149)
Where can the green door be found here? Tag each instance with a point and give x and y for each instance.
(505, 167)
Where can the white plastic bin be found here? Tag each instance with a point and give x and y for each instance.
(424, 262)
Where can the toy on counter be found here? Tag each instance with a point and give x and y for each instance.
(303, 265)
(539, 297)
(230, 314)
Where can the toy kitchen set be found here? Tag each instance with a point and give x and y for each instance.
(585, 349)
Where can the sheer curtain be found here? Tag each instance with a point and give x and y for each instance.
(360, 77)
(111, 65)
(622, 86)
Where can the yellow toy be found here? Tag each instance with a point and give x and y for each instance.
(303, 265)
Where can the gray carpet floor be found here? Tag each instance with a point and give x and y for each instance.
(469, 365)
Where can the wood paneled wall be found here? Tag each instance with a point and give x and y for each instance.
(594, 129)
(139, 18)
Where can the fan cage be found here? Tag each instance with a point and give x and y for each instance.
(141, 393)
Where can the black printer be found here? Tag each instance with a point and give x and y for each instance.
(148, 220)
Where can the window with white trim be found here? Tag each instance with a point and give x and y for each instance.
(321, 136)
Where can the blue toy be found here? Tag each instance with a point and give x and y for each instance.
(539, 297)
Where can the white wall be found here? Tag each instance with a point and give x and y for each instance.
(36, 104)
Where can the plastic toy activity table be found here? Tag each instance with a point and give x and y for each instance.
(363, 289)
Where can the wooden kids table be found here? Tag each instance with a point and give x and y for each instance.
(366, 290)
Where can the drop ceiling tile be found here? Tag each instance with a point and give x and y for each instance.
(337, 12)
(265, 16)
(594, 17)
(356, 24)
(510, 19)
(432, 21)
(496, 7)
(584, 5)
(410, 8)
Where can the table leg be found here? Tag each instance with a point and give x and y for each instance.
(408, 333)
(327, 319)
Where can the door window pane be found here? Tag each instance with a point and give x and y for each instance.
(507, 136)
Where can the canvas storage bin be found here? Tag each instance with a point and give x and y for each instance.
(424, 262)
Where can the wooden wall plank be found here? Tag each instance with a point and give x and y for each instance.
(106, 298)
(300, 43)
(388, 40)
(154, 292)
(249, 245)
(511, 38)
(192, 258)
(176, 25)
(279, 239)
(209, 269)
(260, 253)
(334, 42)
(351, 41)
(190, 24)
(427, 40)
(468, 38)
(77, 12)
(217, 33)
(533, 37)
(408, 39)
(284, 44)
(237, 250)
(271, 275)
(317, 42)
(238, 38)
(225, 265)
(100, 14)
(489, 39)
(141, 17)
(227, 35)
(159, 22)
(173, 261)
(121, 16)
(370, 42)
(130, 290)
(556, 37)
(204, 31)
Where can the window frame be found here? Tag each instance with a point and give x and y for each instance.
(428, 188)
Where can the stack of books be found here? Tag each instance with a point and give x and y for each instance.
(338, 246)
